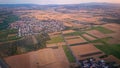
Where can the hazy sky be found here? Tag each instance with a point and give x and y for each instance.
(55, 1)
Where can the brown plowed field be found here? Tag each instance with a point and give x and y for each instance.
(75, 40)
(68, 31)
(96, 33)
(89, 37)
(85, 49)
(44, 58)
(113, 27)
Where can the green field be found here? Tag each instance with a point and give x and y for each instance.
(55, 40)
(110, 49)
(77, 33)
(68, 54)
(4, 35)
(102, 29)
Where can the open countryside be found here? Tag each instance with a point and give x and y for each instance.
(60, 36)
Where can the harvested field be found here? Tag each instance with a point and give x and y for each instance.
(115, 38)
(68, 31)
(52, 45)
(67, 24)
(112, 58)
(96, 33)
(72, 37)
(114, 41)
(113, 27)
(88, 37)
(44, 58)
(55, 44)
(75, 40)
(61, 57)
(54, 34)
(86, 51)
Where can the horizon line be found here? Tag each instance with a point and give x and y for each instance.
(60, 4)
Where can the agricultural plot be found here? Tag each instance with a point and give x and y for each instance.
(74, 40)
(55, 40)
(68, 31)
(88, 37)
(112, 58)
(61, 57)
(55, 44)
(76, 33)
(68, 54)
(8, 35)
(115, 38)
(72, 37)
(114, 41)
(96, 33)
(113, 27)
(85, 51)
(44, 58)
(54, 34)
(102, 29)
(113, 49)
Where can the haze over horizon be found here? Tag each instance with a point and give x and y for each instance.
(44, 2)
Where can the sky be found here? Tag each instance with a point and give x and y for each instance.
(54, 1)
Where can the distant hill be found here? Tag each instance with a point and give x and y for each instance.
(67, 6)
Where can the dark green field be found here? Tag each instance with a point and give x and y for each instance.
(110, 49)
(68, 54)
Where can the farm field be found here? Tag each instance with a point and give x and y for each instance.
(88, 37)
(102, 29)
(47, 59)
(8, 35)
(68, 54)
(75, 40)
(96, 33)
(56, 39)
(85, 51)
(113, 49)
